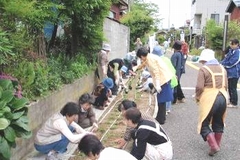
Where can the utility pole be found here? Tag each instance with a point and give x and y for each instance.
(169, 5)
(225, 28)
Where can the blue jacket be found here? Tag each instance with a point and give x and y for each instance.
(231, 63)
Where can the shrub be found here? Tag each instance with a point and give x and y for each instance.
(13, 118)
(196, 52)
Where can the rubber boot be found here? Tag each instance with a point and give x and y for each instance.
(214, 148)
(218, 137)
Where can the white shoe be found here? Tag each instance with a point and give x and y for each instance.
(52, 156)
(231, 106)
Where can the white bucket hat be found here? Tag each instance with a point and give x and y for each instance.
(106, 47)
(145, 74)
(207, 55)
(124, 69)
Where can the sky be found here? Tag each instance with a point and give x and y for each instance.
(180, 11)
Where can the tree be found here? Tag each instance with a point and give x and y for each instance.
(140, 19)
(233, 30)
(214, 35)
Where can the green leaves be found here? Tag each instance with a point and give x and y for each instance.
(140, 20)
(4, 123)
(18, 104)
(9, 134)
(5, 148)
(5, 48)
(13, 119)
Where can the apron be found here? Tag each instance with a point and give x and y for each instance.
(166, 93)
(208, 97)
(162, 151)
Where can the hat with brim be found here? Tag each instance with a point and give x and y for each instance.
(108, 82)
(157, 50)
(206, 55)
(124, 69)
(145, 74)
(106, 47)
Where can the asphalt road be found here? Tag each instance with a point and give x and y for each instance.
(181, 126)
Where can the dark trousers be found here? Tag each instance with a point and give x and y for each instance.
(114, 89)
(178, 93)
(101, 100)
(216, 114)
(232, 89)
(161, 115)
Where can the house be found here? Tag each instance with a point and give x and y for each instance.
(117, 10)
(234, 9)
(201, 12)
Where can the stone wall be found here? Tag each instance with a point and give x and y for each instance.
(117, 36)
(41, 110)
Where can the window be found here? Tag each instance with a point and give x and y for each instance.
(112, 14)
(215, 17)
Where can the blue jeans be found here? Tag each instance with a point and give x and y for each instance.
(168, 105)
(59, 146)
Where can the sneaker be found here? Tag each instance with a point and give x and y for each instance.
(231, 106)
(52, 156)
(181, 101)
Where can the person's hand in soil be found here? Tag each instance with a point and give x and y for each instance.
(120, 142)
(95, 127)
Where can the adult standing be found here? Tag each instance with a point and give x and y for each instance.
(174, 81)
(177, 61)
(161, 76)
(138, 44)
(165, 45)
(103, 61)
(185, 51)
(211, 93)
(232, 65)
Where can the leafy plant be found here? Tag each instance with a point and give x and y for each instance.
(140, 20)
(5, 48)
(13, 118)
(214, 35)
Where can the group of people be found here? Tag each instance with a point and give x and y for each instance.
(163, 75)
(150, 140)
(215, 82)
(111, 75)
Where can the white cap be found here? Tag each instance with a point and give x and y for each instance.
(145, 74)
(124, 69)
(106, 47)
(207, 55)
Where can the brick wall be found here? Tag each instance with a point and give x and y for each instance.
(235, 15)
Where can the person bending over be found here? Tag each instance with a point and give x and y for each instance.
(150, 141)
(93, 148)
